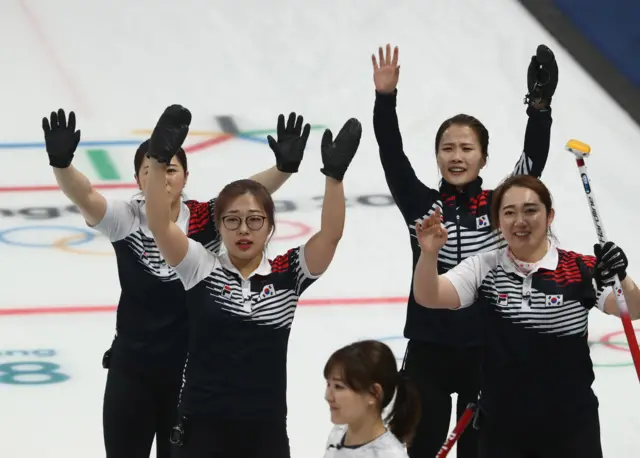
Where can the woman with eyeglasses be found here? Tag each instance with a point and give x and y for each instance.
(147, 355)
(240, 303)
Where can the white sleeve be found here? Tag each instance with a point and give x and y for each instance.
(120, 219)
(467, 276)
(602, 295)
(303, 277)
(197, 264)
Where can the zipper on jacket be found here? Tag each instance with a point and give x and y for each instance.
(459, 241)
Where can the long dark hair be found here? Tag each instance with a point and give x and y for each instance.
(368, 362)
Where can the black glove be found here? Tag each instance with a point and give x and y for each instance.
(610, 261)
(61, 138)
(588, 295)
(542, 76)
(291, 143)
(169, 134)
(337, 154)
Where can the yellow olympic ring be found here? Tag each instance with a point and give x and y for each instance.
(63, 244)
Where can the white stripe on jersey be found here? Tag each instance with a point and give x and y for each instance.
(523, 166)
(149, 256)
(568, 318)
(471, 240)
(276, 311)
(512, 296)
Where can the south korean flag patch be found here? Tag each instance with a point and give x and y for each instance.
(267, 291)
(553, 300)
(482, 222)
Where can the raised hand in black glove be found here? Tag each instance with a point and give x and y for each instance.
(169, 134)
(61, 138)
(337, 154)
(291, 143)
(610, 261)
(542, 76)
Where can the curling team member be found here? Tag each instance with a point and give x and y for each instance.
(534, 298)
(241, 304)
(362, 379)
(147, 355)
(444, 350)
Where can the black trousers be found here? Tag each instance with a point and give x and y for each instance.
(576, 439)
(138, 406)
(438, 372)
(220, 438)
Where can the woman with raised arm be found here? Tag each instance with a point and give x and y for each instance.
(241, 304)
(444, 350)
(534, 299)
(147, 355)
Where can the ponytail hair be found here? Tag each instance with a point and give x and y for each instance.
(363, 365)
(405, 413)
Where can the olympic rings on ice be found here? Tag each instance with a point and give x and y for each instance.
(86, 235)
(80, 236)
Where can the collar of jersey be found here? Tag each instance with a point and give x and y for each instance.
(263, 269)
(471, 189)
(548, 262)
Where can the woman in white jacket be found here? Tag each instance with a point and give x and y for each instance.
(362, 380)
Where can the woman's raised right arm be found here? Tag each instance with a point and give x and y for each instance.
(61, 140)
(78, 189)
(402, 180)
(457, 288)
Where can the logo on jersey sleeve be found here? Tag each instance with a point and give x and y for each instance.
(503, 299)
(553, 300)
(482, 222)
(267, 291)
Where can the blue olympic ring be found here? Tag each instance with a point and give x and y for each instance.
(88, 235)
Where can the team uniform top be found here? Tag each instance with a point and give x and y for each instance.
(465, 215)
(537, 369)
(239, 333)
(151, 322)
(385, 446)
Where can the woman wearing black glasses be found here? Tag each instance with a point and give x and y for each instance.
(240, 303)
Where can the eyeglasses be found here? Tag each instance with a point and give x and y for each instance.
(253, 222)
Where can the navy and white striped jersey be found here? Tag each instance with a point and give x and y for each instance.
(537, 366)
(465, 214)
(151, 322)
(239, 329)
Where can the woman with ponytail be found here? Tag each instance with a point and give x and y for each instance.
(362, 380)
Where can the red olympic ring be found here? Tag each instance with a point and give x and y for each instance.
(301, 228)
(605, 340)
